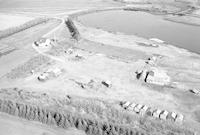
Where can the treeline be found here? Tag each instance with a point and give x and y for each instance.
(13, 30)
(72, 28)
(65, 120)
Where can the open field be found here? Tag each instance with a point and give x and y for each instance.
(52, 7)
(14, 126)
(97, 70)
(11, 21)
(22, 42)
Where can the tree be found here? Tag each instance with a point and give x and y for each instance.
(20, 109)
(66, 123)
(70, 119)
(16, 112)
(31, 113)
(57, 118)
(5, 106)
(44, 116)
(10, 107)
(40, 114)
(36, 115)
(24, 110)
(90, 130)
(1, 105)
(84, 124)
(61, 121)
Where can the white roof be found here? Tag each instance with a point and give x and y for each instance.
(156, 40)
(57, 70)
(158, 72)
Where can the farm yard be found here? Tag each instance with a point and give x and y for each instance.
(59, 75)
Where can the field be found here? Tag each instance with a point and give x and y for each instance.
(11, 21)
(97, 72)
(14, 126)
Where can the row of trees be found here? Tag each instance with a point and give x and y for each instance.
(65, 120)
(13, 30)
(72, 28)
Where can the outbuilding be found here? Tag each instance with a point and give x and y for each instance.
(157, 76)
(43, 42)
(43, 77)
(131, 107)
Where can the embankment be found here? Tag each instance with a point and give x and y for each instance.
(13, 30)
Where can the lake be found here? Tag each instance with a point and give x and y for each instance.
(145, 25)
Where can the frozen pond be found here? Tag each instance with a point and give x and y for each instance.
(146, 25)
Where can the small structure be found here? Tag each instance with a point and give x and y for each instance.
(56, 72)
(32, 71)
(150, 111)
(172, 116)
(131, 107)
(152, 60)
(144, 110)
(138, 108)
(106, 83)
(157, 113)
(126, 104)
(195, 91)
(164, 114)
(154, 45)
(43, 77)
(70, 51)
(50, 73)
(157, 40)
(43, 42)
(139, 74)
(157, 76)
(179, 118)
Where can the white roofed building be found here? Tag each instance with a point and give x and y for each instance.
(157, 76)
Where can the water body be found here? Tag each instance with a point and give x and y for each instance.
(146, 25)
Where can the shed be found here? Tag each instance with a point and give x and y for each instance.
(43, 42)
(43, 77)
(164, 114)
(157, 113)
(157, 76)
(144, 110)
(126, 104)
(138, 108)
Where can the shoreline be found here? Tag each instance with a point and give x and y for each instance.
(75, 16)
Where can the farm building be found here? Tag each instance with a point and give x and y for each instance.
(43, 77)
(43, 42)
(50, 73)
(157, 76)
